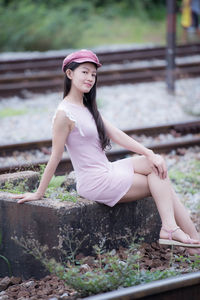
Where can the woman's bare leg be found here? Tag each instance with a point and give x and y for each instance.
(183, 220)
(171, 211)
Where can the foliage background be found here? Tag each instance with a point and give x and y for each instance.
(60, 24)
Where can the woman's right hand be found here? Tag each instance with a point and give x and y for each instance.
(27, 197)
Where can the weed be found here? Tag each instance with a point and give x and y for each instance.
(61, 194)
(17, 188)
(109, 271)
(54, 189)
(41, 169)
(70, 242)
(33, 247)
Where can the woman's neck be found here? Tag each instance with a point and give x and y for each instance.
(75, 97)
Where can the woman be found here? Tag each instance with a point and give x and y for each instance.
(78, 125)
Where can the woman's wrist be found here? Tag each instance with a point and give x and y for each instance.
(39, 194)
(149, 153)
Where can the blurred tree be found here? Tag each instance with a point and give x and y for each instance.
(97, 3)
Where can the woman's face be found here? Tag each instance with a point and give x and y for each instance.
(83, 77)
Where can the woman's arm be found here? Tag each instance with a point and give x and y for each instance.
(119, 137)
(122, 139)
(61, 129)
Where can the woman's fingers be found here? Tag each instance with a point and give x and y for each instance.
(18, 196)
(26, 197)
(24, 200)
(155, 170)
(161, 167)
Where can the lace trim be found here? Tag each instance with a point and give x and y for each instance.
(70, 116)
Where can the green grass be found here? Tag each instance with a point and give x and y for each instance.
(26, 25)
(56, 181)
(122, 30)
(186, 179)
(55, 191)
(11, 112)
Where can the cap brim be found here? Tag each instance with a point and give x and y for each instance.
(82, 60)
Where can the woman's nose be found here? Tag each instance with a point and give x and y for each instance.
(90, 77)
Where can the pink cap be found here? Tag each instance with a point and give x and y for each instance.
(81, 56)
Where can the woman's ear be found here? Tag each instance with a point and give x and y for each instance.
(69, 73)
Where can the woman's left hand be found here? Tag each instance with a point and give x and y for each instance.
(158, 165)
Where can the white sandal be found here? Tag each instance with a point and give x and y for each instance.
(172, 242)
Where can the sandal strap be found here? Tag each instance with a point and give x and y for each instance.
(171, 231)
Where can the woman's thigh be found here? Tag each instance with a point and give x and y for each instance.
(139, 189)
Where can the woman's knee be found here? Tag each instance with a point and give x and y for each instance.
(141, 165)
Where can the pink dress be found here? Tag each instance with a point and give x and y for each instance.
(98, 179)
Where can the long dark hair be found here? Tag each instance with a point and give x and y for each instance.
(89, 100)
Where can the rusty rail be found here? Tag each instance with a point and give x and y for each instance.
(175, 288)
(66, 166)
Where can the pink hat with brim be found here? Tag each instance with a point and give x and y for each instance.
(81, 56)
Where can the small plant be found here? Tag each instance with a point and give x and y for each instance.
(41, 169)
(70, 243)
(193, 263)
(55, 191)
(109, 271)
(17, 188)
(32, 247)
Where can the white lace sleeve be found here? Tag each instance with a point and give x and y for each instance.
(70, 116)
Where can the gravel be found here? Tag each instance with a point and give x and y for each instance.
(22, 157)
(126, 106)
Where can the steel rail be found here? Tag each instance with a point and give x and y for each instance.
(181, 287)
(102, 72)
(44, 81)
(179, 127)
(120, 56)
(65, 164)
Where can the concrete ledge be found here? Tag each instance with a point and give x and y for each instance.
(56, 224)
(30, 178)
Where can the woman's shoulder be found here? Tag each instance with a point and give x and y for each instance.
(63, 113)
(67, 114)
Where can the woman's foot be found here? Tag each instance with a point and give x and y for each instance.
(177, 237)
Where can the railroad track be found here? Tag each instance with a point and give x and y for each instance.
(176, 288)
(49, 62)
(53, 81)
(66, 166)
(49, 78)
